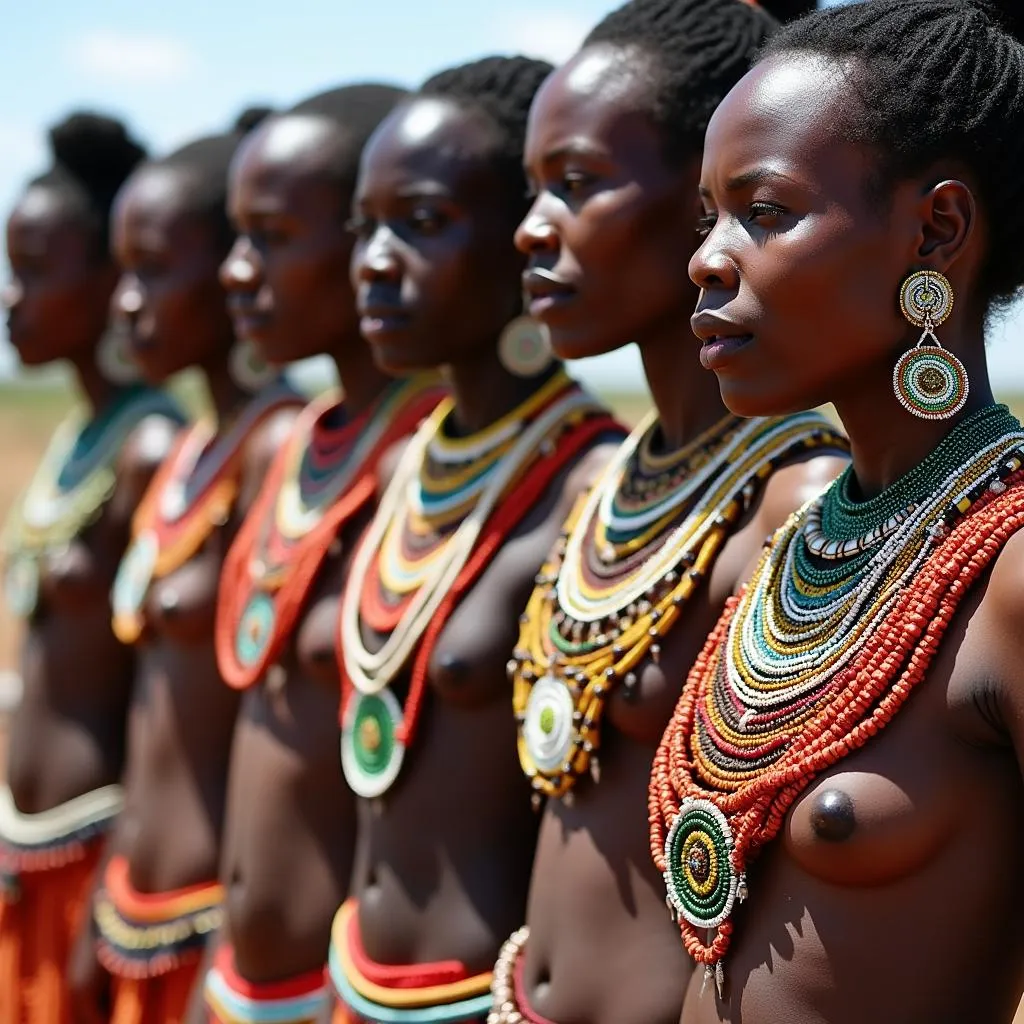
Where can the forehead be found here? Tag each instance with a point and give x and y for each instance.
(285, 149)
(429, 139)
(155, 207)
(604, 92)
(787, 115)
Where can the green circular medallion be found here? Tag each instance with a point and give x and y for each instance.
(21, 585)
(371, 753)
(255, 629)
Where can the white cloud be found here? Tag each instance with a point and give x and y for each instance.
(541, 32)
(131, 57)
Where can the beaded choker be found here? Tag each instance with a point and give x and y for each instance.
(415, 562)
(191, 494)
(838, 625)
(631, 555)
(74, 481)
(325, 475)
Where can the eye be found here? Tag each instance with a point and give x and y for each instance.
(706, 224)
(427, 220)
(763, 211)
(360, 226)
(574, 182)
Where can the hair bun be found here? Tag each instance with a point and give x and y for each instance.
(250, 118)
(95, 149)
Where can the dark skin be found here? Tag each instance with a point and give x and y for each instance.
(800, 250)
(608, 236)
(436, 279)
(67, 735)
(182, 716)
(290, 833)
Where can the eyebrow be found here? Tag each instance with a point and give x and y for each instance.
(573, 148)
(429, 189)
(757, 176)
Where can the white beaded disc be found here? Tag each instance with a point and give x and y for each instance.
(547, 727)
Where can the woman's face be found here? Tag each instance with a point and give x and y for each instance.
(287, 275)
(169, 293)
(58, 296)
(434, 266)
(613, 224)
(802, 264)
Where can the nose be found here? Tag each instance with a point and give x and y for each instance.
(712, 268)
(241, 270)
(536, 234)
(128, 298)
(11, 294)
(378, 261)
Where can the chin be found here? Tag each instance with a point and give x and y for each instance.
(745, 399)
(581, 344)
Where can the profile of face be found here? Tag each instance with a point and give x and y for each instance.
(434, 267)
(287, 276)
(613, 224)
(802, 263)
(169, 295)
(58, 296)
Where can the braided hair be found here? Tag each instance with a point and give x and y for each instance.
(502, 88)
(933, 80)
(92, 157)
(699, 50)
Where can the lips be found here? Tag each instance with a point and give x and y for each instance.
(546, 291)
(721, 339)
(379, 320)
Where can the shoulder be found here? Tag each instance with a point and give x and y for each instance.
(146, 448)
(261, 450)
(794, 484)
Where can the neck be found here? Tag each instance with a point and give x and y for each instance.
(226, 397)
(685, 395)
(97, 391)
(484, 391)
(887, 441)
(361, 382)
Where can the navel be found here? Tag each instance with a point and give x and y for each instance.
(833, 816)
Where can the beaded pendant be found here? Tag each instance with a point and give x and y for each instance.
(191, 494)
(447, 508)
(73, 483)
(839, 623)
(324, 475)
(632, 554)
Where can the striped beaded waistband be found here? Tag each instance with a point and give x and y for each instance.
(145, 935)
(440, 993)
(51, 839)
(510, 1004)
(233, 1000)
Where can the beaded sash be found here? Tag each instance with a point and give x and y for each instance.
(233, 1000)
(144, 935)
(69, 490)
(560, 421)
(632, 553)
(442, 993)
(52, 839)
(191, 495)
(836, 628)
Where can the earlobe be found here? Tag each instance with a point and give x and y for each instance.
(948, 217)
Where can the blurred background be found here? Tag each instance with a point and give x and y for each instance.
(176, 71)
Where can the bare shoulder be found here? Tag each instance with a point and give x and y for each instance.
(146, 447)
(261, 449)
(1003, 603)
(793, 485)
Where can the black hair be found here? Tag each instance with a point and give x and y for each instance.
(356, 110)
(502, 88)
(92, 156)
(934, 80)
(699, 49)
(786, 10)
(207, 160)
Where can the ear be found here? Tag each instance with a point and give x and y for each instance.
(948, 215)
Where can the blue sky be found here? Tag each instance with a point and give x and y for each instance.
(188, 67)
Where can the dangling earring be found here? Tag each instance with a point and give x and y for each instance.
(248, 369)
(929, 380)
(113, 358)
(524, 347)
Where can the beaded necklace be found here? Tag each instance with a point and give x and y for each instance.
(631, 555)
(322, 478)
(838, 625)
(409, 604)
(73, 483)
(191, 495)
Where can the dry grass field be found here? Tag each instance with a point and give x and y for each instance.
(27, 417)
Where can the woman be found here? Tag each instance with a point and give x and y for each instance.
(446, 835)
(864, 692)
(62, 543)
(159, 897)
(290, 831)
(649, 557)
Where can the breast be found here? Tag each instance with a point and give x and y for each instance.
(75, 578)
(182, 605)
